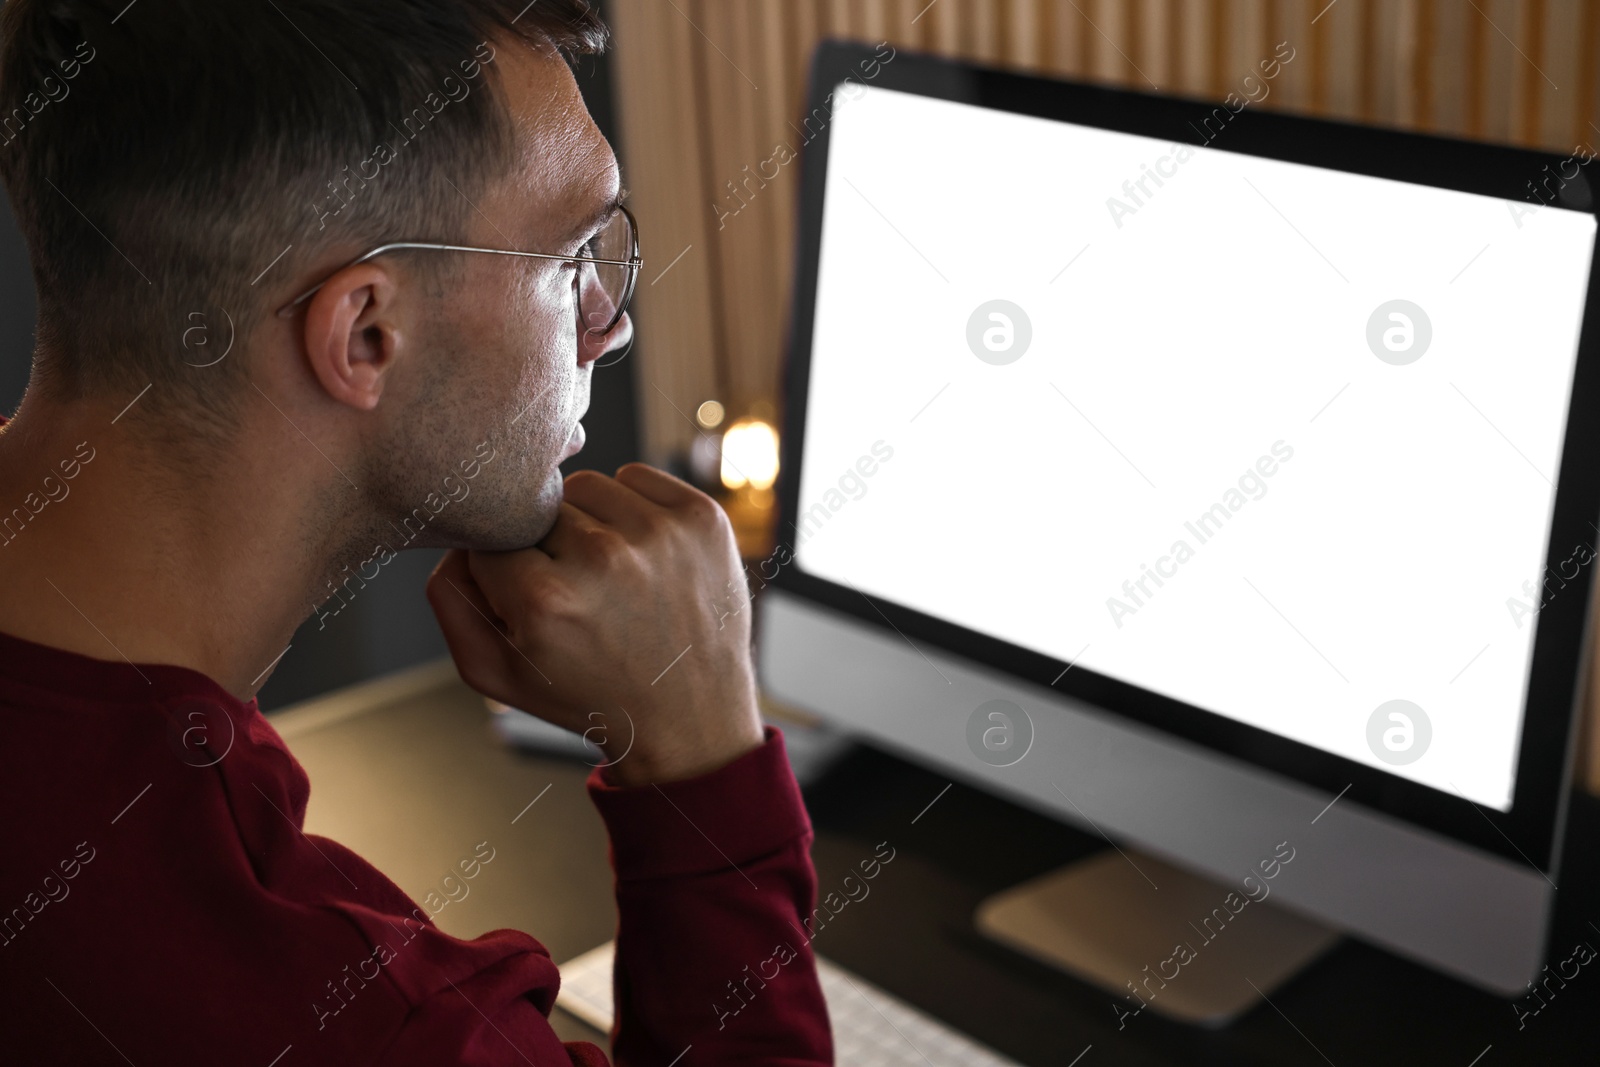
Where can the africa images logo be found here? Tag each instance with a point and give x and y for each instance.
(999, 733)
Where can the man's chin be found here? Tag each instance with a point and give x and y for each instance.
(524, 526)
(546, 511)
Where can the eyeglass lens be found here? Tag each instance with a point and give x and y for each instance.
(603, 288)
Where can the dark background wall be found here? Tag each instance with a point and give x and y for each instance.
(16, 312)
(387, 625)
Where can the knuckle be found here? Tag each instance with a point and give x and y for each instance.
(535, 598)
(524, 595)
(607, 547)
(653, 524)
(702, 510)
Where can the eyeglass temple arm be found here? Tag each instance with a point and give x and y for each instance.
(634, 264)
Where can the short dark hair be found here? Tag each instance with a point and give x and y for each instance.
(160, 155)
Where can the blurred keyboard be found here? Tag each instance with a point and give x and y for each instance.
(870, 1027)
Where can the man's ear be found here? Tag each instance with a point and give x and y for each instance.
(352, 337)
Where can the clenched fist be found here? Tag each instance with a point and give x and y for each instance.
(629, 616)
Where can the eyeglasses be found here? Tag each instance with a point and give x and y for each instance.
(608, 270)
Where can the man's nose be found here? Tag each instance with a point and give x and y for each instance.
(592, 346)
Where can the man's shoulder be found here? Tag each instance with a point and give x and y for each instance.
(162, 885)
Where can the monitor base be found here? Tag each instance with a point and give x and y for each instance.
(1156, 936)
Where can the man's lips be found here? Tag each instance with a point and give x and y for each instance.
(575, 442)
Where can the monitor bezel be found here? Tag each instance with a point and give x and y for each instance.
(1529, 832)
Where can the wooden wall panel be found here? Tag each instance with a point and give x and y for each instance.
(1066, 30)
(737, 79)
(1291, 22)
(1192, 56)
(1559, 91)
(661, 119)
(1244, 42)
(1497, 80)
(1448, 106)
(1027, 39)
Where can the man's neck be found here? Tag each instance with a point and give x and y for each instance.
(112, 549)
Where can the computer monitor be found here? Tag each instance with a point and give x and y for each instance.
(1205, 477)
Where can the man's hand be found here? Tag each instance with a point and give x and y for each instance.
(627, 623)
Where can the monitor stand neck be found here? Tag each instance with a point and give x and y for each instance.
(1155, 936)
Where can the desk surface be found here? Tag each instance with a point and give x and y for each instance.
(406, 772)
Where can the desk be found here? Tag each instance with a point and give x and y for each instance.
(405, 771)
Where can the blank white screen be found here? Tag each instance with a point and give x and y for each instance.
(1226, 314)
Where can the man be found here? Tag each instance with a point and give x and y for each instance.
(235, 403)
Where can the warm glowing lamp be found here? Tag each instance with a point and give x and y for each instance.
(750, 455)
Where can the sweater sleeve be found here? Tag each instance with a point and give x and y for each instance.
(713, 881)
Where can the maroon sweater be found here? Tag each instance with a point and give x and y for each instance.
(155, 910)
